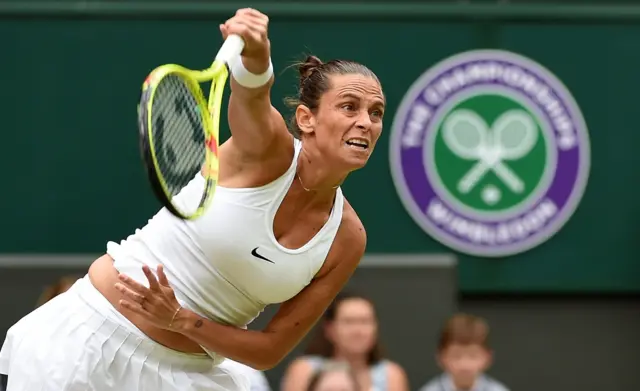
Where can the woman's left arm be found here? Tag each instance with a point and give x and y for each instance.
(259, 349)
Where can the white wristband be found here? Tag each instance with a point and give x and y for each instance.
(247, 79)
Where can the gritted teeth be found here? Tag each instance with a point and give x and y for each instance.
(358, 142)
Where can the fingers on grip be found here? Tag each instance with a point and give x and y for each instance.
(248, 23)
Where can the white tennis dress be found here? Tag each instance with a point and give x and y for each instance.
(226, 266)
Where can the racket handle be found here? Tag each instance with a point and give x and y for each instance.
(231, 48)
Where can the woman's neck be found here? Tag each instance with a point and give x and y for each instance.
(316, 176)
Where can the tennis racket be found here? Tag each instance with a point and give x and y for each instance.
(180, 128)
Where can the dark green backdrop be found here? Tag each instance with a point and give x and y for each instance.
(72, 177)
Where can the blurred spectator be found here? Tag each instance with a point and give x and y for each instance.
(257, 379)
(349, 332)
(464, 355)
(333, 376)
(53, 290)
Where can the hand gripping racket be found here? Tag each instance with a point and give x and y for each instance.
(179, 129)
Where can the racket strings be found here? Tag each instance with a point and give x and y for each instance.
(178, 131)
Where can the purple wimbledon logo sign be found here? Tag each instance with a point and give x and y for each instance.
(490, 153)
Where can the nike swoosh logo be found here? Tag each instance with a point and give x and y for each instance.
(254, 252)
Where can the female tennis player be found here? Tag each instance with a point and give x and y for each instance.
(162, 308)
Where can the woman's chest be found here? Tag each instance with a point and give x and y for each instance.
(240, 247)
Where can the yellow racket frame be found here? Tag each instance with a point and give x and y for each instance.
(210, 113)
(218, 74)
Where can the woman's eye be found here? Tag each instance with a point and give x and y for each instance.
(348, 106)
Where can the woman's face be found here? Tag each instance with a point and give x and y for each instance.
(348, 122)
(354, 330)
(336, 381)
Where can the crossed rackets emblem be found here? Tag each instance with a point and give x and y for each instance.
(511, 137)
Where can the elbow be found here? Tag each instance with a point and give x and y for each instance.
(264, 366)
(256, 363)
(269, 357)
(265, 351)
(268, 361)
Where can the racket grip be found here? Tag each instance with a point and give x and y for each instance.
(231, 48)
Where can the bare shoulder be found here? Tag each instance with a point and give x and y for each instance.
(397, 377)
(297, 375)
(238, 170)
(351, 229)
(351, 239)
(394, 369)
(348, 246)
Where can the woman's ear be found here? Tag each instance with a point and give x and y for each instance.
(305, 119)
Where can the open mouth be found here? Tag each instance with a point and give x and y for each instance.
(358, 143)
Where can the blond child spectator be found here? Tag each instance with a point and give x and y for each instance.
(464, 355)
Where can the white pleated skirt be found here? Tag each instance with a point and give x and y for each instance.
(79, 342)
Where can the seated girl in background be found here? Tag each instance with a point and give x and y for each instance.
(349, 333)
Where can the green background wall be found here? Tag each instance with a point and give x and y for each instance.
(72, 177)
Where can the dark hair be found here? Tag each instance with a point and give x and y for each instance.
(329, 367)
(464, 329)
(321, 346)
(314, 82)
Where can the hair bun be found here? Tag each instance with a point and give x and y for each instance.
(310, 64)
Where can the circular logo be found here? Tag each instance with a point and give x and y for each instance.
(489, 153)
